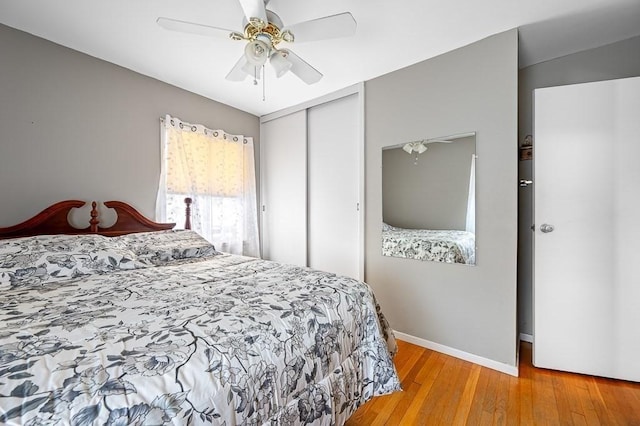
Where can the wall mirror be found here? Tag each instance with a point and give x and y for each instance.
(428, 199)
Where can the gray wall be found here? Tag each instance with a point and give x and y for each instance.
(431, 194)
(618, 60)
(472, 309)
(73, 126)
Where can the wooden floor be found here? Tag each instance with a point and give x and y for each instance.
(442, 390)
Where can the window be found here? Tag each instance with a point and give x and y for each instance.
(217, 171)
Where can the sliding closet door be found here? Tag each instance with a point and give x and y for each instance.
(334, 173)
(283, 154)
(312, 184)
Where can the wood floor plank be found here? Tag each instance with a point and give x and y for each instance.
(412, 359)
(415, 361)
(588, 409)
(566, 385)
(432, 368)
(501, 401)
(513, 403)
(468, 394)
(490, 396)
(385, 412)
(441, 390)
(455, 393)
(616, 400)
(562, 394)
(545, 409)
(424, 374)
(525, 386)
(448, 392)
(399, 411)
(578, 419)
(605, 415)
(475, 411)
(406, 356)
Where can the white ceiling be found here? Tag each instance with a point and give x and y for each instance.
(391, 34)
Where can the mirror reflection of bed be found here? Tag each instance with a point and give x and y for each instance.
(428, 199)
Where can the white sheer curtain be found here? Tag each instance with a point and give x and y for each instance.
(217, 171)
(471, 199)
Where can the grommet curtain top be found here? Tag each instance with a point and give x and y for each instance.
(199, 128)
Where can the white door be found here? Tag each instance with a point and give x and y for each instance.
(283, 188)
(334, 153)
(587, 199)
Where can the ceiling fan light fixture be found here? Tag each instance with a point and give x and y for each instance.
(418, 147)
(256, 52)
(280, 63)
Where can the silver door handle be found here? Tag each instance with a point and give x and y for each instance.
(546, 228)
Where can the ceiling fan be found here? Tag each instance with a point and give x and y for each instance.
(421, 146)
(263, 32)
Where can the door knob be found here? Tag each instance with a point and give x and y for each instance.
(546, 228)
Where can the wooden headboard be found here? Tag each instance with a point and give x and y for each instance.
(55, 220)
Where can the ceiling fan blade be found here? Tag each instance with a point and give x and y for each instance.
(303, 70)
(254, 9)
(238, 72)
(334, 26)
(193, 28)
(437, 141)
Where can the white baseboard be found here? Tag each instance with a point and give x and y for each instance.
(526, 337)
(466, 356)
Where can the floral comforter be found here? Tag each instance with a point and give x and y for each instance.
(425, 244)
(182, 335)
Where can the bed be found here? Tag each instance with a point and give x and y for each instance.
(141, 324)
(449, 246)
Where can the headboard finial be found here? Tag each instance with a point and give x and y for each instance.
(94, 221)
(187, 221)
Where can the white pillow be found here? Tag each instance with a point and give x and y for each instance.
(162, 247)
(40, 259)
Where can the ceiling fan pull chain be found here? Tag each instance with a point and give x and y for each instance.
(264, 83)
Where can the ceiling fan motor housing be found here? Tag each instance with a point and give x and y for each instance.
(270, 30)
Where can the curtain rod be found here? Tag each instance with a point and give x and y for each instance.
(214, 131)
